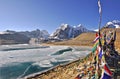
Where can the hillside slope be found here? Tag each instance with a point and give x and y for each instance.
(85, 39)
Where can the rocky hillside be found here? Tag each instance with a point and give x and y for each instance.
(13, 38)
(36, 33)
(66, 31)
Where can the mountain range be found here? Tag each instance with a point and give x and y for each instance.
(36, 33)
(13, 37)
(65, 31)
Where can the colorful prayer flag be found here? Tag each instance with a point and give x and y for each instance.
(95, 40)
(100, 53)
(107, 70)
(107, 74)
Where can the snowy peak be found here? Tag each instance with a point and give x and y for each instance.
(63, 32)
(66, 31)
(64, 26)
(116, 22)
(113, 24)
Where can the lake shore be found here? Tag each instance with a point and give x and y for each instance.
(69, 70)
(62, 71)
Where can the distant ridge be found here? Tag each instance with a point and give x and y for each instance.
(36, 33)
(13, 37)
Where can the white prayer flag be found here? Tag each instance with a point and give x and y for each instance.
(99, 5)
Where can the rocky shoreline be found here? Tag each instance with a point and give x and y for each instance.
(69, 70)
(63, 71)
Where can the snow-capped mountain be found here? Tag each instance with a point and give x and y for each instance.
(66, 31)
(63, 32)
(79, 29)
(113, 24)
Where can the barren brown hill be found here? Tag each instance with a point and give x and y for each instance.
(85, 39)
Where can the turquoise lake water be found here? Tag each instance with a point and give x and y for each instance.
(18, 61)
